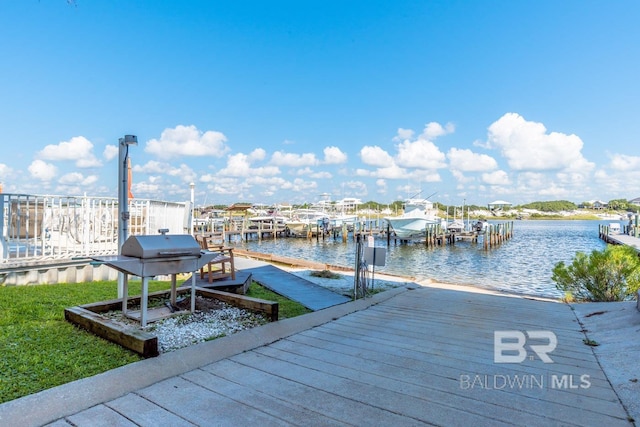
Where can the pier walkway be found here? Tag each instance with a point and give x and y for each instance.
(409, 356)
(312, 296)
(622, 239)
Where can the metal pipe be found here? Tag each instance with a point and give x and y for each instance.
(123, 198)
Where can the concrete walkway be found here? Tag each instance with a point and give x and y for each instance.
(408, 356)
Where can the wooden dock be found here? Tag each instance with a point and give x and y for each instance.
(491, 236)
(605, 233)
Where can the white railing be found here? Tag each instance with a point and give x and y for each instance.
(34, 227)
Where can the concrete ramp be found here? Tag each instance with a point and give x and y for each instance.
(312, 296)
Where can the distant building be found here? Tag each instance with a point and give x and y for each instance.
(635, 201)
(598, 204)
(348, 204)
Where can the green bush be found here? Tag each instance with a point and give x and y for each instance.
(612, 274)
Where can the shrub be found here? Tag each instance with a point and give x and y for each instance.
(612, 274)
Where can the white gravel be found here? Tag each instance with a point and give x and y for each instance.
(192, 328)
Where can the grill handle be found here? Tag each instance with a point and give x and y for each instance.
(174, 253)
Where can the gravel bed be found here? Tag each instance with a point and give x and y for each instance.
(211, 319)
(188, 329)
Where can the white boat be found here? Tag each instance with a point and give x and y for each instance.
(417, 215)
(304, 221)
(456, 226)
(614, 228)
(337, 221)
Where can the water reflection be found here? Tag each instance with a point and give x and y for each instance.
(522, 264)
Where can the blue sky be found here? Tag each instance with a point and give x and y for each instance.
(282, 101)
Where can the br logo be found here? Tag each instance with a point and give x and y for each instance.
(510, 346)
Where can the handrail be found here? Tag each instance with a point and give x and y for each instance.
(50, 227)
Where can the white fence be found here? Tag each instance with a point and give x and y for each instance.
(35, 228)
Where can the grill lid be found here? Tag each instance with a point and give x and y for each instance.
(161, 246)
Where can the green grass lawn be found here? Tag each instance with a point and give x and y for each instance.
(40, 350)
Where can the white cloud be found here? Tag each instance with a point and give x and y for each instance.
(496, 178)
(42, 170)
(423, 175)
(321, 175)
(527, 145)
(334, 156)
(532, 180)
(76, 178)
(219, 182)
(152, 166)
(434, 129)
(358, 188)
(466, 160)
(71, 178)
(403, 134)
(68, 189)
(420, 154)
(460, 177)
(145, 188)
(390, 172)
(554, 192)
(183, 172)
(187, 141)
(110, 152)
(375, 156)
(280, 158)
(573, 179)
(271, 181)
(619, 179)
(257, 155)
(623, 162)
(78, 149)
(301, 185)
(239, 165)
(89, 180)
(4, 170)
(206, 178)
(304, 171)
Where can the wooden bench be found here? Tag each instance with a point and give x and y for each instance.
(224, 256)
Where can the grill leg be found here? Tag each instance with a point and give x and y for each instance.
(143, 301)
(193, 291)
(173, 290)
(125, 293)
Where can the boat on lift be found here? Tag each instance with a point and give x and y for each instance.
(417, 215)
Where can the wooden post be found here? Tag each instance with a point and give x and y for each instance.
(427, 233)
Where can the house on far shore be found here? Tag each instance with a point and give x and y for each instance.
(635, 201)
(598, 204)
(499, 205)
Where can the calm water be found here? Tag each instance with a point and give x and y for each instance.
(522, 264)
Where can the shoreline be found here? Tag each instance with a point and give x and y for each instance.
(295, 266)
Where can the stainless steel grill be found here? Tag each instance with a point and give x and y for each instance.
(157, 255)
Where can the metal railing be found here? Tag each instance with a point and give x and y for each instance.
(36, 227)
